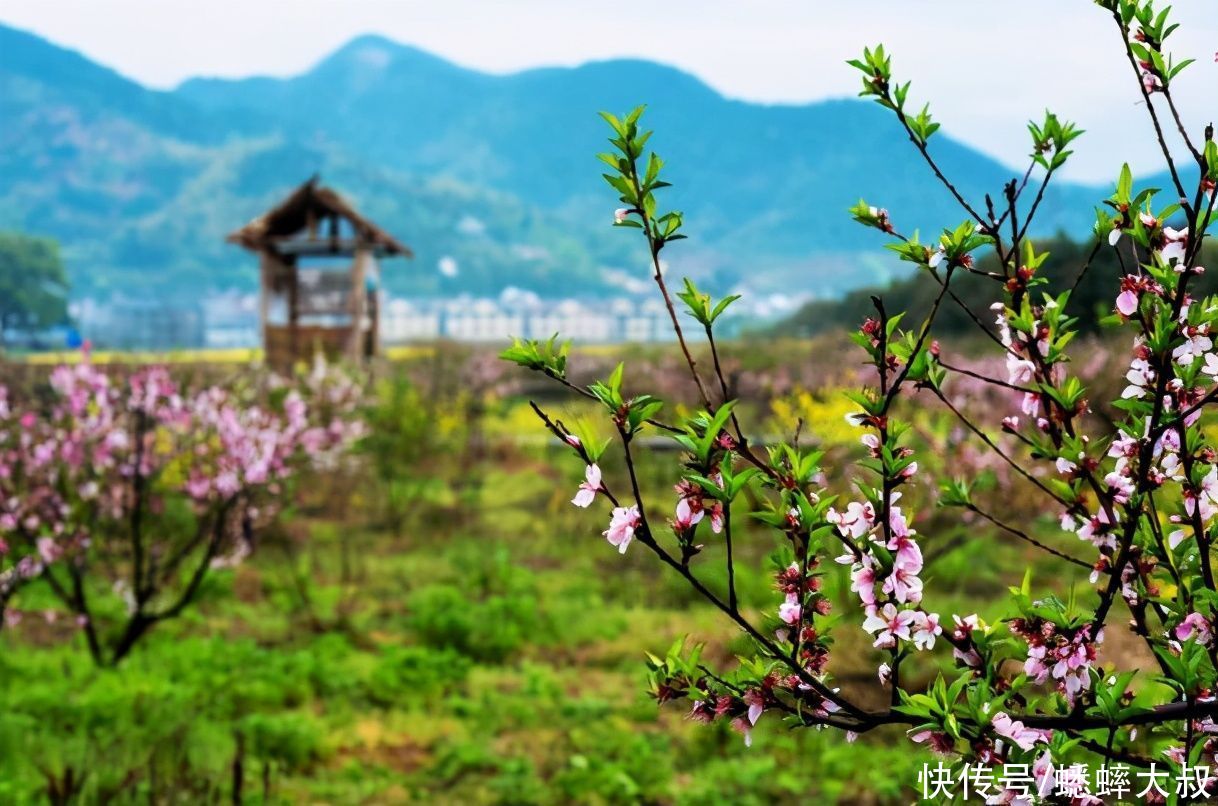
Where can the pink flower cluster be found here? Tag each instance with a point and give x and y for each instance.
(892, 613)
(251, 446)
(730, 708)
(1133, 287)
(623, 524)
(802, 597)
(902, 582)
(1021, 370)
(745, 710)
(1171, 247)
(964, 646)
(693, 504)
(1014, 731)
(1150, 80)
(74, 468)
(1195, 627)
(1062, 654)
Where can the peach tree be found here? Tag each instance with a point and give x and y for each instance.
(123, 493)
(1140, 495)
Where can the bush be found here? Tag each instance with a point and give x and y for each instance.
(490, 629)
(416, 675)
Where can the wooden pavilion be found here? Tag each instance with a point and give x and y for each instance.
(320, 276)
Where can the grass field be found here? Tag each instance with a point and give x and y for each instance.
(437, 623)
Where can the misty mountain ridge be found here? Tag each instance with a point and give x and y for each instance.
(495, 172)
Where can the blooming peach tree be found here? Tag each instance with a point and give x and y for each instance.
(122, 494)
(1140, 496)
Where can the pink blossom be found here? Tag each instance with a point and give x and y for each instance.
(1123, 445)
(1196, 345)
(622, 525)
(1095, 529)
(904, 585)
(1127, 302)
(1122, 486)
(1150, 83)
(1177, 244)
(755, 700)
(940, 743)
(896, 518)
(686, 515)
(1064, 657)
(968, 657)
(48, 551)
(907, 555)
(966, 624)
(1024, 738)
(1020, 371)
(1043, 774)
(1195, 627)
(856, 521)
(589, 487)
(701, 711)
(790, 611)
(862, 581)
(889, 625)
(925, 628)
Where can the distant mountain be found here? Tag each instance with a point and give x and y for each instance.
(141, 186)
(497, 172)
(776, 176)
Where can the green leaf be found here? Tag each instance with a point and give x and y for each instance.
(722, 306)
(613, 121)
(1124, 184)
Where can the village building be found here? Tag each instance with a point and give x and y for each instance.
(320, 276)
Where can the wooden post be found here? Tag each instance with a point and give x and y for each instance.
(264, 303)
(374, 303)
(293, 278)
(359, 304)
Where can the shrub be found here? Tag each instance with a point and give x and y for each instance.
(416, 675)
(488, 629)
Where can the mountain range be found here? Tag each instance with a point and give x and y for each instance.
(492, 176)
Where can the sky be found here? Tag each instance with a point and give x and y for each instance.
(987, 65)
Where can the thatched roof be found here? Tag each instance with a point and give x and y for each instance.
(307, 222)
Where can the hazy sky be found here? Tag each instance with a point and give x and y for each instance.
(987, 65)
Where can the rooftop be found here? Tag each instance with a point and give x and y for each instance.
(316, 220)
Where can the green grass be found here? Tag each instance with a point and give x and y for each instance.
(487, 647)
(498, 666)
